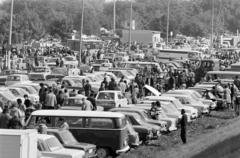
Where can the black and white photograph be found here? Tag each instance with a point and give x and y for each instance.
(119, 78)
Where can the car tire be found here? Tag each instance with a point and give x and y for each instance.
(102, 152)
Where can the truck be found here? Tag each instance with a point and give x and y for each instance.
(18, 143)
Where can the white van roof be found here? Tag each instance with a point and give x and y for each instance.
(77, 113)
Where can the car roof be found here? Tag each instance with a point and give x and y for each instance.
(132, 109)
(77, 113)
(112, 91)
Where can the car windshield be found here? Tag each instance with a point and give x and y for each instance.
(7, 94)
(13, 78)
(40, 69)
(137, 117)
(37, 77)
(51, 60)
(106, 96)
(68, 138)
(100, 61)
(15, 92)
(69, 58)
(73, 102)
(29, 89)
(54, 144)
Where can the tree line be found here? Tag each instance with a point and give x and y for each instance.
(35, 19)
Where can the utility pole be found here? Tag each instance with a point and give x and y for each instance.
(168, 9)
(212, 25)
(130, 27)
(81, 32)
(10, 38)
(114, 16)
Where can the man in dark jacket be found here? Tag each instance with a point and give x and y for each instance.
(184, 127)
(87, 89)
(4, 118)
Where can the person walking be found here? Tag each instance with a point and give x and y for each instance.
(183, 123)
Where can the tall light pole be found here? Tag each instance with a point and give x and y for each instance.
(10, 36)
(130, 27)
(114, 16)
(81, 32)
(212, 23)
(168, 9)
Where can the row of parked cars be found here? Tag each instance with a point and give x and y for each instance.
(121, 126)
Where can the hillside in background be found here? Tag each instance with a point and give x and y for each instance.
(34, 19)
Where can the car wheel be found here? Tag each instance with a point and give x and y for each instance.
(102, 152)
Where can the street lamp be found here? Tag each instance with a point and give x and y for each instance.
(10, 37)
(81, 30)
(212, 23)
(168, 8)
(130, 27)
(114, 16)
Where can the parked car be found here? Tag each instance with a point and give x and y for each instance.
(111, 99)
(19, 92)
(188, 101)
(190, 111)
(69, 141)
(136, 120)
(196, 96)
(49, 145)
(107, 130)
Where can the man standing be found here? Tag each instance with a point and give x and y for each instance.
(87, 89)
(87, 105)
(4, 118)
(184, 127)
(51, 100)
(42, 94)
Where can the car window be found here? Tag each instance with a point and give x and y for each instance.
(14, 92)
(119, 96)
(106, 123)
(74, 121)
(106, 96)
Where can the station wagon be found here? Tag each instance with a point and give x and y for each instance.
(107, 130)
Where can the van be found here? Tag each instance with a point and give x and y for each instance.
(107, 130)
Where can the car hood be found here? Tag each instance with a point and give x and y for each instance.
(82, 146)
(151, 126)
(152, 90)
(73, 152)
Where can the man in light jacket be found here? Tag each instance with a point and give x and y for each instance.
(51, 100)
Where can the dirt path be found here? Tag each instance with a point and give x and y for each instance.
(165, 146)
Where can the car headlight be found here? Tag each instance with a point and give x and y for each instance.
(90, 151)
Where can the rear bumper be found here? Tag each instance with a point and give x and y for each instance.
(125, 149)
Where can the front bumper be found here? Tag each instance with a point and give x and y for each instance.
(125, 149)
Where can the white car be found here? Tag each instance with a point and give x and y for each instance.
(196, 96)
(111, 99)
(190, 111)
(49, 145)
(188, 101)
